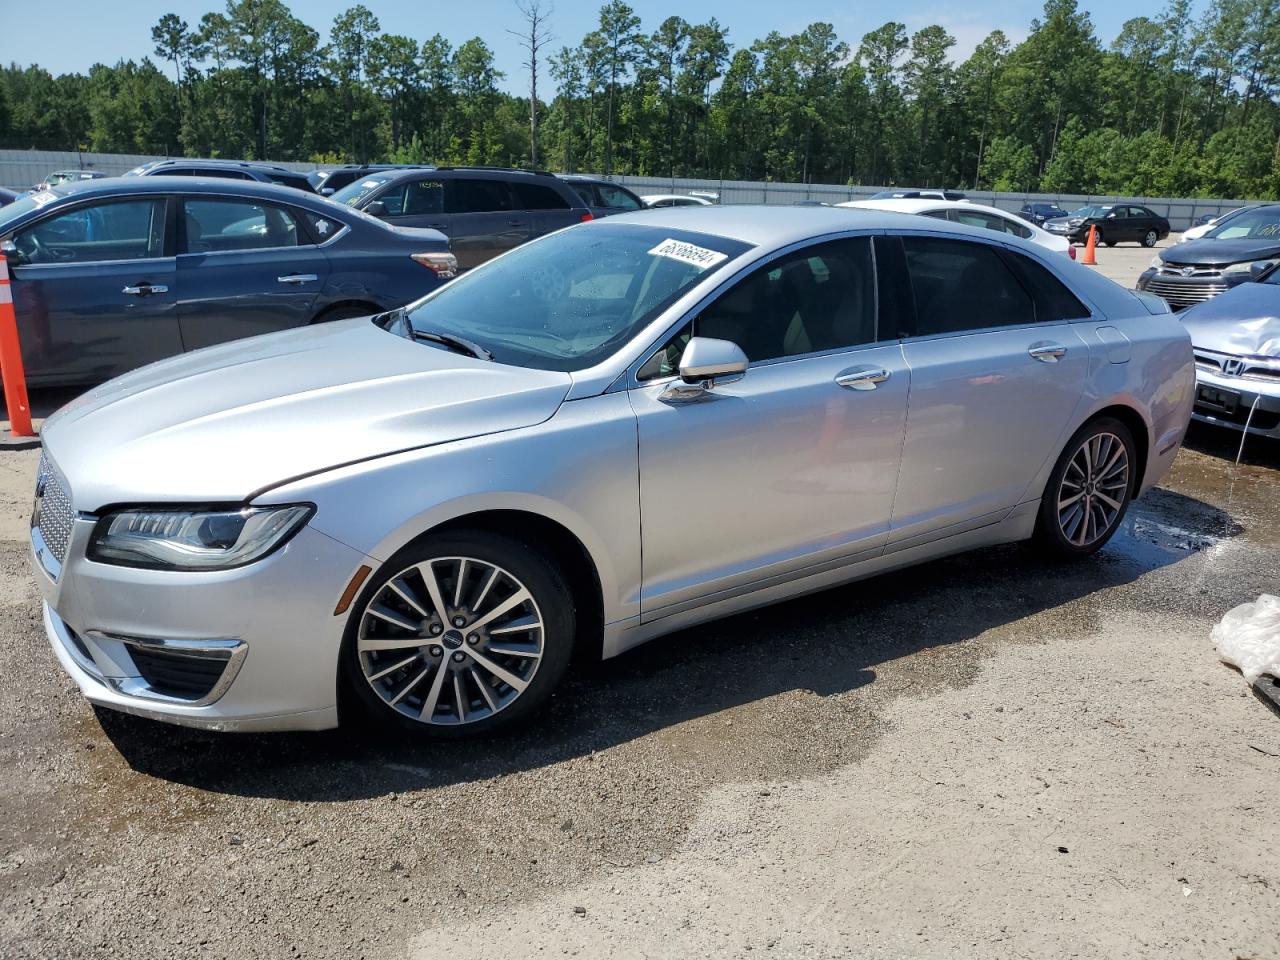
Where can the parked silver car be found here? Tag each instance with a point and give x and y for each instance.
(1236, 339)
(619, 430)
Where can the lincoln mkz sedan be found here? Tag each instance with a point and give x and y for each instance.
(618, 430)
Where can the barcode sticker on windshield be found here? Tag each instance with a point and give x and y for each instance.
(689, 253)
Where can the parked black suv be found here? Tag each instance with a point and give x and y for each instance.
(226, 169)
(484, 211)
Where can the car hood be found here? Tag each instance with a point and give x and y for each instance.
(1220, 253)
(224, 423)
(1244, 321)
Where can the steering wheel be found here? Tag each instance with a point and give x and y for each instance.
(548, 284)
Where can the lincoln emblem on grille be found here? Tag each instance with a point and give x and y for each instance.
(1233, 368)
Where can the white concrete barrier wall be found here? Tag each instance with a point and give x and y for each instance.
(21, 169)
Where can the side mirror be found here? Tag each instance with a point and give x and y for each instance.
(376, 209)
(1255, 269)
(11, 252)
(704, 363)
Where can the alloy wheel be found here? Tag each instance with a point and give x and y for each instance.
(450, 641)
(1094, 486)
(1150, 239)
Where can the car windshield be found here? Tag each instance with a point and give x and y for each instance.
(1090, 212)
(569, 300)
(1262, 223)
(357, 190)
(24, 205)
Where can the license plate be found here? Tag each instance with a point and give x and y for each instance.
(1224, 400)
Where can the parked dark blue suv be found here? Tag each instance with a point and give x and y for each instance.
(109, 275)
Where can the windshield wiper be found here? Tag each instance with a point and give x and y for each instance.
(448, 340)
(454, 343)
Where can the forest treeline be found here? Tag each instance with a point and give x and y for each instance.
(1181, 103)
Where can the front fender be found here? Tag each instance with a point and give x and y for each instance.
(579, 469)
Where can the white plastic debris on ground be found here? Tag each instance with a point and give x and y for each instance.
(1249, 637)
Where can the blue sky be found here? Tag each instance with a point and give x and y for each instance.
(83, 32)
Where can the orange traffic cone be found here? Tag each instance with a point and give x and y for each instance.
(15, 381)
(1089, 259)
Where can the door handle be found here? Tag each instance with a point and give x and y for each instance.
(297, 278)
(861, 378)
(1047, 352)
(145, 289)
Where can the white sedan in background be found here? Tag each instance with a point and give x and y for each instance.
(972, 215)
(674, 200)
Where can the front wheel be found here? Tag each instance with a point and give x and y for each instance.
(1089, 490)
(460, 634)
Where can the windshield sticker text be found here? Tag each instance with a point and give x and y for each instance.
(689, 253)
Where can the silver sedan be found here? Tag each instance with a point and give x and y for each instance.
(619, 430)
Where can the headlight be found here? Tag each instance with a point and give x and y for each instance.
(1156, 261)
(193, 539)
(1245, 269)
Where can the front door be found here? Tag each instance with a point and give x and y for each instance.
(94, 292)
(997, 370)
(245, 267)
(792, 466)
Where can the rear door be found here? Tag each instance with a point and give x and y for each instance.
(485, 219)
(245, 267)
(95, 290)
(546, 208)
(997, 372)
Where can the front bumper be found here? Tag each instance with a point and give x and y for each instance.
(252, 648)
(1262, 398)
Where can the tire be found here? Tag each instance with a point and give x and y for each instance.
(1151, 239)
(346, 311)
(1063, 531)
(1098, 241)
(391, 659)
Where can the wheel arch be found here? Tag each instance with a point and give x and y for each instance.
(1139, 429)
(347, 304)
(564, 548)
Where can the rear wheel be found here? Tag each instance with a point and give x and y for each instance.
(459, 635)
(1089, 490)
(1150, 239)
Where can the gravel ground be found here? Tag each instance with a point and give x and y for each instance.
(987, 756)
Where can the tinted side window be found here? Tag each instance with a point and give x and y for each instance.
(424, 198)
(617, 198)
(215, 226)
(537, 196)
(133, 230)
(583, 190)
(815, 299)
(962, 286)
(1053, 301)
(477, 196)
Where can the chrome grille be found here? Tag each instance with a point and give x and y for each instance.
(53, 509)
(1237, 366)
(1184, 294)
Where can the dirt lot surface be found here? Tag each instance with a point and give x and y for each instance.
(987, 756)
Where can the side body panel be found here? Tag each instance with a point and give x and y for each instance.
(578, 469)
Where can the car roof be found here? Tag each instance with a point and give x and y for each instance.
(223, 165)
(781, 225)
(921, 204)
(130, 186)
